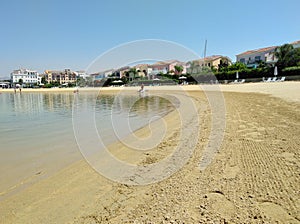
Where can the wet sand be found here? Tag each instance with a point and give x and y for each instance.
(254, 178)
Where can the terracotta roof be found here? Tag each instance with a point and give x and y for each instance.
(140, 65)
(122, 68)
(258, 50)
(211, 58)
(166, 62)
(296, 42)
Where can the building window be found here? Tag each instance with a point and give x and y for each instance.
(242, 60)
(257, 58)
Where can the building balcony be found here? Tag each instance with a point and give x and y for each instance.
(251, 62)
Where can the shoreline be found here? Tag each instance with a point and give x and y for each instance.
(79, 178)
(270, 88)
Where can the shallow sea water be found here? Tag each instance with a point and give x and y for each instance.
(36, 129)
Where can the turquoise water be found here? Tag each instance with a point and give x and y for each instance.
(36, 130)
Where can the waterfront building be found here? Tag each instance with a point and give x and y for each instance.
(82, 74)
(214, 61)
(102, 75)
(164, 67)
(142, 70)
(25, 77)
(296, 44)
(62, 77)
(252, 58)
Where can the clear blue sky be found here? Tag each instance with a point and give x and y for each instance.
(58, 34)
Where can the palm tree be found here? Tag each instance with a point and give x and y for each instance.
(193, 67)
(178, 69)
(283, 53)
(132, 73)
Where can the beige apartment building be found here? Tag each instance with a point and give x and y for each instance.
(62, 77)
(214, 61)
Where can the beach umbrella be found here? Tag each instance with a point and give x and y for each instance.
(117, 81)
(182, 77)
(275, 71)
(237, 75)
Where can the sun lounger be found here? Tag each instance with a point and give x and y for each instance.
(282, 79)
(274, 79)
(269, 79)
(242, 81)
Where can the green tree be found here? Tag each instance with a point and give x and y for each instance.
(293, 58)
(124, 79)
(132, 73)
(178, 69)
(221, 67)
(81, 82)
(262, 65)
(192, 67)
(89, 81)
(238, 66)
(283, 53)
(43, 80)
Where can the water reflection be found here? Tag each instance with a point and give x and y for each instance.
(34, 103)
(28, 109)
(36, 133)
(125, 112)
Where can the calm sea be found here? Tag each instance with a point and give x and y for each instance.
(36, 130)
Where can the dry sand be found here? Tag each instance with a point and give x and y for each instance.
(255, 177)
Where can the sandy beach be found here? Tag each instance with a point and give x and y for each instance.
(253, 178)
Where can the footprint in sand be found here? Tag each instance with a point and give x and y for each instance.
(277, 213)
(230, 172)
(254, 136)
(220, 204)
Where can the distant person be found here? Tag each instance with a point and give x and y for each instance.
(142, 91)
(15, 89)
(20, 89)
(142, 88)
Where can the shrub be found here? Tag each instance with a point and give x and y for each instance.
(290, 71)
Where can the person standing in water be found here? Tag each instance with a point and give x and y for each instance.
(142, 88)
(142, 91)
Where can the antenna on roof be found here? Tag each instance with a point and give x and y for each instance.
(205, 48)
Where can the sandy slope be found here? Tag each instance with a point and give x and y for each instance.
(255, 177)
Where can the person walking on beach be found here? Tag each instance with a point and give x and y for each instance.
(15, 89)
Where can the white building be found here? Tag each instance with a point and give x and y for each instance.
(82, 74)
(296, 44)
(28, 77)
(252, 58)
